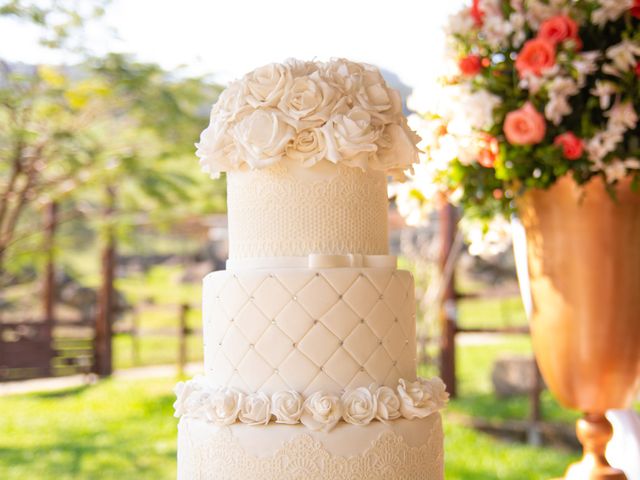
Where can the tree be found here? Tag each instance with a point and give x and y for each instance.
(69, 133)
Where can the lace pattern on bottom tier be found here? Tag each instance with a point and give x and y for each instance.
(389, 457)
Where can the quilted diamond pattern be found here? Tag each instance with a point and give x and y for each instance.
(309, 329)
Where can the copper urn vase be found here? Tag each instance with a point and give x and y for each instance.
(583, 250)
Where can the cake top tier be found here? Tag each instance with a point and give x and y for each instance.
(339, 112)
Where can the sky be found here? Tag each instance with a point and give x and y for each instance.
(229, 38)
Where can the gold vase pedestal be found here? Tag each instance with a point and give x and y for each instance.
(583, 252)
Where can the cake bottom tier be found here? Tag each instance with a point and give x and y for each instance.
(401, 449)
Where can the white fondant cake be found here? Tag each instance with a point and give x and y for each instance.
(310, 336)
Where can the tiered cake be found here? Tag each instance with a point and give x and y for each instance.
(310, 337)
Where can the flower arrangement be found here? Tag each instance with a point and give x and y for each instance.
(538, 89)
(199, 398)
(307, 112)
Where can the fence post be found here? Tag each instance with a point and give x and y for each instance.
(103, 365)
(448, 225)
(49, 286)
(534, 435)
(183, 333)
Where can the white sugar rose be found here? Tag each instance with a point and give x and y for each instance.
(308, 147)
(438, 391)
(384, 104)
(395, 149)
(265, 86)
(231, 105)
(321, 411)
(286, 406)
(388, 404)
(351, 138)
(344, 75)
(300, 67)
(359, 406)
(183, 391)
(256, 409)
(216, 150)
(222, 406)
(309, 102)
(261, 137)
(416, 400)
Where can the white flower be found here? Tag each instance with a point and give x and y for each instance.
(604, 89)
(496, 31)
(437, 390)
(518, 22)
(560, 89)
(388, 404)
(396, 150)
(487, 241)
(479, 108)
(622, 116)
(615, 171)
(375, 97)
(261, 137)
(351, 137)
(585, 64)
(222, 406)
(309, 102)
(321, 411)
(300, 68)
(308, 147)
(601, 144)
(610, 10)
(539, 11)
(183, 391)
(216, 150)
(286, 406)
(416, 399)
(345, 76)
(623, 56)
(265, 86)
(231, 104)
(256, 409)
(359, 406)
(460, 23)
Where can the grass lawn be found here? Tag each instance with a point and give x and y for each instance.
(124, 429)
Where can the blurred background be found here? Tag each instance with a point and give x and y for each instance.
(107, 226)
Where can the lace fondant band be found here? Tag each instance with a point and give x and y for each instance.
(406, 450)
(199, 399)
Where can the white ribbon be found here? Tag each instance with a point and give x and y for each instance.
(315, 261)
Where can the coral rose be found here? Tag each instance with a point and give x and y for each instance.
(536, 56)
(558, 29)
(524, 126)
(470, 65)
(572, 146)
(476, 13)
(488, 149)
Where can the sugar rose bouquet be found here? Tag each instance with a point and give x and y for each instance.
(537, 89)
(309, 112)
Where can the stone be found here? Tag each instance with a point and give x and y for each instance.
(513, 375)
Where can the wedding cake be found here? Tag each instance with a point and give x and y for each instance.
(310, 333)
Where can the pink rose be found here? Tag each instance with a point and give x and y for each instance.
(524, 126)
(536, 56)
(470, 65)
(558, 29)
(572, 146)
